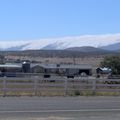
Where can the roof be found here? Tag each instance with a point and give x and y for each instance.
(65, 66)
(105, 69)
(50, 66)
(9, 66)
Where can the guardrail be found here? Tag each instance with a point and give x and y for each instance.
(38, 85)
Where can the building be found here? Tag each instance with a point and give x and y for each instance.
(9, 70)
(103, 70)
(63, 69)
(46, 69)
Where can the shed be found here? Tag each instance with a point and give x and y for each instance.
(103, 70)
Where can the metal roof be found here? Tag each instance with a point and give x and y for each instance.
(105, 69)
(9, 66)
(50, 66)
(65, 66)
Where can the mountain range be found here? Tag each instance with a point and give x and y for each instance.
(109, 42)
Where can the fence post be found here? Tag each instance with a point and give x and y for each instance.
(35, 86)
(94, 86)
(4, 87)
(65, 87)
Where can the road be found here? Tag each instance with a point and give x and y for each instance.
(59, 108)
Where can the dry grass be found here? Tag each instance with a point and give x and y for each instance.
(93, 60)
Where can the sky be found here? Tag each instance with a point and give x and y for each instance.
(38, 19)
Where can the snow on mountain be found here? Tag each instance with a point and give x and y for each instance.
(62, 43)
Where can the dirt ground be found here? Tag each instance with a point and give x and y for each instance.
(94, 61)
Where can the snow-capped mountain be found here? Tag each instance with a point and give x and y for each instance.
(62, 43)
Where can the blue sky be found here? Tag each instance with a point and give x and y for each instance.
(37, 19)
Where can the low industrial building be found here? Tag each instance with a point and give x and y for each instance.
(10, 68)
(63, 69)
(47, 69)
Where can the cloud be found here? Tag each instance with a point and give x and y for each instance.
(64, 42)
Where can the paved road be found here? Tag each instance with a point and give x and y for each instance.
(59, 108)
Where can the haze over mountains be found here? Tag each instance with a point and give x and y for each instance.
(81, 43)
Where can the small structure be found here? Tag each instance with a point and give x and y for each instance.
(36, 68)
(103, 70)
(26, 67)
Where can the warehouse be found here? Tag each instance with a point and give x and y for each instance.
(63, 69)
(59, 69)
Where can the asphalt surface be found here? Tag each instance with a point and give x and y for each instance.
(59, 108)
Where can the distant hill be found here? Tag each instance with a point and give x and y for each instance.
(112, 47)
(59, 53)
(87, 49)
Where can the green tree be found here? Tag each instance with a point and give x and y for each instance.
(112, 62)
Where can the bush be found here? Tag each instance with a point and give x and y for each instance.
(77, 93)
(112, 62)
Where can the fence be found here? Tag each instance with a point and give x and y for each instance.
(38, 85)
